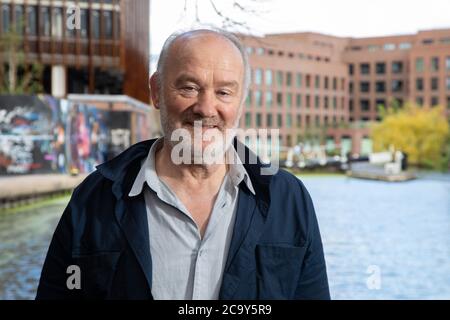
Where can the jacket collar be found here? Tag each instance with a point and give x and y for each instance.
(122, 169)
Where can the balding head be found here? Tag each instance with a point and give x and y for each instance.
(180, 44)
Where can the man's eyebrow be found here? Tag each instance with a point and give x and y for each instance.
(185, 78)
(231, 83)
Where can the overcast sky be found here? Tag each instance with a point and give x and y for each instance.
(355, 18)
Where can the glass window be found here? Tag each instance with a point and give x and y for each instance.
(258, 120)
(57, 22)
(269, 99)
(248, 101)
(334, 103)
(325, 102)
(299, 79)
(380, 86)
(289, 120)
(448, 103)
(268, 77)
(6, 17)
(404, 45)
(259, 51)
(419, 64)
(258, 76)
(308, 81)
(389, 46)
(364, 68)
(269, 120)
(258, 98)
(279, 99)
(45, 15)
(419, 84)
(334, 83)
(447, 63)
(447, 83)
(32, 20)
(289, 79)
(434, 83)
(107, 24)
(279, 120)
(317, 82)
(434, 64)
(350, 69)
(316, 102)
(365, 105)
(84, 23)
(95, 24)
(434, 101)
(325, 83)
(279, 78)
(19, 21)
(248, 119)
(289, 100)
(397, 85)
(397, 67)
(364, 86)
(308, 102)
(380, 68)
(298, 100)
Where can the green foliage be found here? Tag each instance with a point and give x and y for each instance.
(422, 133)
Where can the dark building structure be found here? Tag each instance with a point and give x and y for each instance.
(85, 46)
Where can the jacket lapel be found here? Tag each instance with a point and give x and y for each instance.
(131, 213)
(250, 219)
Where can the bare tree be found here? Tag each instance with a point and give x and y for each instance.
(234, 16)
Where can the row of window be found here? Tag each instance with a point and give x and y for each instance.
(380, 68)
(380, 86)
(367, 105)
(398, 66)
(279, 53)
(394, 46)
(385, 47)
(260, 98)
(98, 23)
(434, 84)
(266, 77)
(287, 120)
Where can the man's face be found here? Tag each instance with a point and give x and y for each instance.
(203, 81)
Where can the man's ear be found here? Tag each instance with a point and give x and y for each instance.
(153, 83)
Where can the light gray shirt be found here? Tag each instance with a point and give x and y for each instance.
(185, 266)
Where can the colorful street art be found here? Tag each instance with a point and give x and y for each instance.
(41, 134)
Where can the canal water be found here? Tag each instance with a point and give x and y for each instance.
(381, 240)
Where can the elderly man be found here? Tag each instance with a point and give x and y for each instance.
(147, 225)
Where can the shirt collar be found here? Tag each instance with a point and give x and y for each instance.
(147, 173)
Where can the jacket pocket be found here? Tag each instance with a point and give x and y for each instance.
(278, 270)
(97, 272)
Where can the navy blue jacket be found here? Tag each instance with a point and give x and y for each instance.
(275, 253)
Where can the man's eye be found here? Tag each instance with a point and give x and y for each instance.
(189, 88)
(224, 93)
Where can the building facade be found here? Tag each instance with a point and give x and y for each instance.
(85, 46)
(320, 87)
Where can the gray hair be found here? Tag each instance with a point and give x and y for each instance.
(225, 34)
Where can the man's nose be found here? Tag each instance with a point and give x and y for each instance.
(206, 105)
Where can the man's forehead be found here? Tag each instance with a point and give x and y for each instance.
(207, 46)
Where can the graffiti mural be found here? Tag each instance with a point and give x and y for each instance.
(44, 134)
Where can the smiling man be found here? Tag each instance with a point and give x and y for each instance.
(146, 225)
